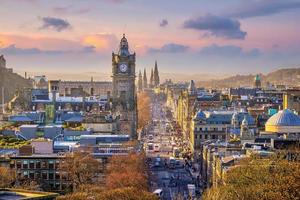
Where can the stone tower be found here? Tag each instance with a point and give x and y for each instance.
(123, 75)
(245, 134)
(124, 91)
(145, 81)
(156, 75)
(151, 84)
(257, 81)
(140, 82)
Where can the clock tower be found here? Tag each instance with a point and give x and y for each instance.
(123, 75)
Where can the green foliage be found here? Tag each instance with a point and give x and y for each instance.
(11, 142)
(259, 179)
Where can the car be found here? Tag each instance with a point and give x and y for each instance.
(156, 164)
(159, 193)
(177, 163)
(158, 159)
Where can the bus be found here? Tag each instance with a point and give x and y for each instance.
(150, 147)
(156, 147)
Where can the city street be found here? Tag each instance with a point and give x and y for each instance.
(168, 173)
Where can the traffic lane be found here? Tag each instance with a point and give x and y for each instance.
(174, 183)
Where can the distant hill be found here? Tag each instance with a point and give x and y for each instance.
(12, 83)
(289, 76)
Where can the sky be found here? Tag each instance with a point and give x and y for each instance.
(74, 39)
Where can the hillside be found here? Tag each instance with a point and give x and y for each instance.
(12, 83)
(289, 76)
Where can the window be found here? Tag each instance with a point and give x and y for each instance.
(213, 136)
(38, 164)
(19, 164)
(51, 176)
(37, 175)
(57, 176)
(51, 164)
(56, 164)
(44, 175)
(25, 174)
(25, 164)
(44, 164)
(205, 136)
(31, 164)
(12, 164)
(31, 175)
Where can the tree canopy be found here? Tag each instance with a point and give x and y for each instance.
(143, 107)
(259, 179)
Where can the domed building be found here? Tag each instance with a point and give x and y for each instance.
(283, 122)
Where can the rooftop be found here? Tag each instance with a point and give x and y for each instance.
(284, 118)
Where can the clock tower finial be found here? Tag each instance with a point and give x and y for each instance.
(124, 47)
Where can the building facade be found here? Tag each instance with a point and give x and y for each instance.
(124, 90)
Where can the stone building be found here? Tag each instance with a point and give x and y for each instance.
(145, 81)
(156, 75)
(284, 123)
(140, 82)
(291, 100)
(124, 91)
(87, 88)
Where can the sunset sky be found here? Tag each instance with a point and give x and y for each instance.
(219, 37)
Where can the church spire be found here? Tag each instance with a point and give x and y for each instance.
(140, 82)
(151, 79)
(145, 81)
(156, 75)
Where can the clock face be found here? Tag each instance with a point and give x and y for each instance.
(123, 67)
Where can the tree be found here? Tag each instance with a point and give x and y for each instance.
(264, 179)
(127, 171)
(7, 177)
(143, 107)
(110, 194)
(81, 168)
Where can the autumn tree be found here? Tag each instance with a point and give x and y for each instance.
(81, 168)
(127, 171)
(259, 179)
(110, 194)
(7, 177)
(125, 179)
(143, 107)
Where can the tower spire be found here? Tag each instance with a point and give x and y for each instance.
(151, 79)
(140, 82)
(156, 75)
(145, 81)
